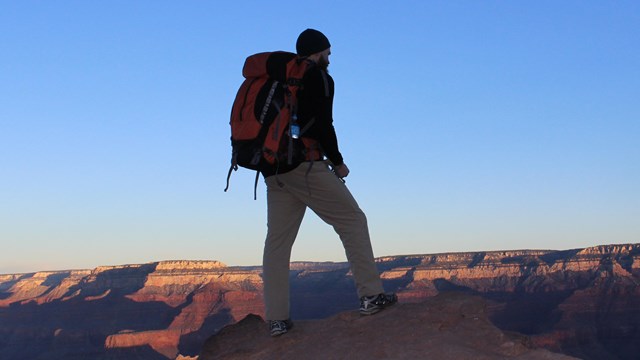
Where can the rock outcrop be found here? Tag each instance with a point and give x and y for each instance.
(581, 302)
(449, 326)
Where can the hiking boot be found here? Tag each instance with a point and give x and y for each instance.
(370, 305)
(279, 327)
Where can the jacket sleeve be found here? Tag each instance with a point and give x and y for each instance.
(319, 88)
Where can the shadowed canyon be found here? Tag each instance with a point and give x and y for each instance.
(583, 303)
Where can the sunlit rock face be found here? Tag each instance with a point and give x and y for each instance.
(147, 311)
(582, 302)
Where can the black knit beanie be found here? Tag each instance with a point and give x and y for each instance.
(310, 42)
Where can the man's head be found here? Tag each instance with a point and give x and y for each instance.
(314, 45)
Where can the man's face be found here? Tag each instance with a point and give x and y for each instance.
(323, 61)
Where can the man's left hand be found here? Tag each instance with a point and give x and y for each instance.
(341, 170)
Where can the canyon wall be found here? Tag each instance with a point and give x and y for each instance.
(582, 302)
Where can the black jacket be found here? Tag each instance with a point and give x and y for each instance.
(315, 101)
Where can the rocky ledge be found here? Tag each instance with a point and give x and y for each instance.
(450, 326)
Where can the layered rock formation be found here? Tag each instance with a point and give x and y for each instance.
(150, 311)
(582, 302)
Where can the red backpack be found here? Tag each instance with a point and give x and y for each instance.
(264, 127)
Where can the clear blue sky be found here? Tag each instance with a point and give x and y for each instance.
(467, 125)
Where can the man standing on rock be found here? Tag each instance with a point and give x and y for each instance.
(319, 187)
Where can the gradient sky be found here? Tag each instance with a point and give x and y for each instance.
(467, 125)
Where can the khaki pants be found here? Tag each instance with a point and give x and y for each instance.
(288, 196)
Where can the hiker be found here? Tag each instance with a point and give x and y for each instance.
(318, 184)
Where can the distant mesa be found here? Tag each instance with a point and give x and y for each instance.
(189, 265)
